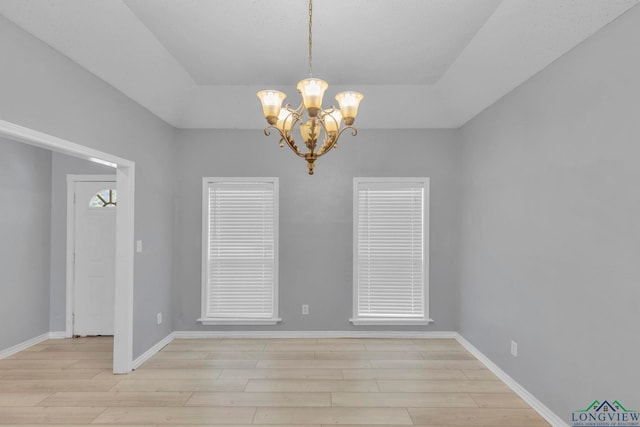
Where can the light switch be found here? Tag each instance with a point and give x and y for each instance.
(138, 246)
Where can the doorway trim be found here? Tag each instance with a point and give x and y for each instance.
(125, 181)
(71, 241)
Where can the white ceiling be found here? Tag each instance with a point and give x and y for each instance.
(420, 63)
(368, 42)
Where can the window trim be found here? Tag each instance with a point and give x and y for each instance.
(205, 261)
(392, 321)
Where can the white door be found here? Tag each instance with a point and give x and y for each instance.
(94, 266)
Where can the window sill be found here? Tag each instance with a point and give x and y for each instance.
(389, 322)
(211, 321)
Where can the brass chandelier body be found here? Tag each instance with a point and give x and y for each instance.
(320, 128)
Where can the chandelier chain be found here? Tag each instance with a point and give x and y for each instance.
(310, 38)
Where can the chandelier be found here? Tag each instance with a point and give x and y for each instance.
(319, 128)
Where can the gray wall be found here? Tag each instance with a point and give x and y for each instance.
(43, 90)
(25, 230)
(61, 165)
(550, 252)
(316, 218)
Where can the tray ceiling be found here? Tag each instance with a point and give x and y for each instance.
(420, 63)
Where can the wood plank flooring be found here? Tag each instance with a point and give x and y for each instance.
(275, 382)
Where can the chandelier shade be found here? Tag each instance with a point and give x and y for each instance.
(271, 104)
(312, 92)
(319, 128)
(332, 121)
(349, 103)
(285, 121)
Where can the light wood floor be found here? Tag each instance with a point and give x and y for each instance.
(302, 382)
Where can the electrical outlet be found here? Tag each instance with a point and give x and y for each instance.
(514, 348)
(305, 309)
(159, 318)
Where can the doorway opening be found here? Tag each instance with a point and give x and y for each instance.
(125, 181)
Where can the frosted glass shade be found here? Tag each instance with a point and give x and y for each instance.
(312, 91)
(349, 102)
(271, 104)
(305, 131)
(285, 120)
(332, 121)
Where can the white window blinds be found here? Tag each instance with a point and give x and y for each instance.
(389, 255)
(241, 249)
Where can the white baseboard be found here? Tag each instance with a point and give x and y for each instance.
(314, 334)
(57, 335)
(153, 350)
(538, 406)
(23, 345)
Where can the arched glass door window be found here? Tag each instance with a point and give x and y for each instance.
(106, 198)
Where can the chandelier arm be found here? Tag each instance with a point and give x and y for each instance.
(283, 137)
(297, 111)
(291, 144)
(354, 132)
(267, 132)
(326, 147)
(328, 142)
(296, 116)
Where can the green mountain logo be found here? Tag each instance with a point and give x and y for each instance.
(597, 406)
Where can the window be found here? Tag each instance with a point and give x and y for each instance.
(240, 251)
(104, 199)
(391, 256)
